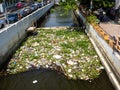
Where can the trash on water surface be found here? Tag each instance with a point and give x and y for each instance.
(35, 81)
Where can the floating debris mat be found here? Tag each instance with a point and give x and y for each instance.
(69, 52)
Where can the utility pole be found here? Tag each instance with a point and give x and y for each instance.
(91, 6)
(42, 3)
(5, 13)
(5, 10)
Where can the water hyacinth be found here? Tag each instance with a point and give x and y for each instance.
(69, 52)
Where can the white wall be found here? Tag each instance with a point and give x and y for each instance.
(11, 36)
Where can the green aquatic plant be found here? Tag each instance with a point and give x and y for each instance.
(69, 52)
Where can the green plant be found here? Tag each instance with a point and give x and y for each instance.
(92, 19)
(69, 50)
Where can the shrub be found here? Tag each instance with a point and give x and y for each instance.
(92, 19)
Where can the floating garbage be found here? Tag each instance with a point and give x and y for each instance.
(57, 56)
(69, 52)
(70, 62)
(35, 81)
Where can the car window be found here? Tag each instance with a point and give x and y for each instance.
(12, 15)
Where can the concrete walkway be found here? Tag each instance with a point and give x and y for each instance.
(110, 27)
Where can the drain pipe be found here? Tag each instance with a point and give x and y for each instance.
(111, 75)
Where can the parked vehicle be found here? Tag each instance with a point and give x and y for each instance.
(2, 23)
(11, 18)
(27, 10)
(22, 13)
(39, 5)
(19, 5)
(44, 3)
(33, 7)
(48, 1)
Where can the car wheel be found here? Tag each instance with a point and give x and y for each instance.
(2, 26)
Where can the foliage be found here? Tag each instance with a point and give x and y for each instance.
(92, 19)
(97, 3)
(38, 0)
(102, 3)
(69, 4)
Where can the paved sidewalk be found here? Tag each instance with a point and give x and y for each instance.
(112, 30)
(110, 27)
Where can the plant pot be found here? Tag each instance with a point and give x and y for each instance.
(106, 38)
(111, 43)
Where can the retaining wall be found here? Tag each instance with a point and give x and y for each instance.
(110, 56)
(12, 35)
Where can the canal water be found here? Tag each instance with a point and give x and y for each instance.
(58, 18)
(45, 79)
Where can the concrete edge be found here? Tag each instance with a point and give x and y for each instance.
(110, 73)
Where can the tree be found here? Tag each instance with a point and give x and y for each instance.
(87, 3)
(68, 4)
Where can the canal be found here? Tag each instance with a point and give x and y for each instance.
(56, 18)
(46, 79)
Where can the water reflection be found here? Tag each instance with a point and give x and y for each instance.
(44, 79)
(58, 18)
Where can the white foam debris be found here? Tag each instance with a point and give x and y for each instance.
(35, 81)
(57, 56)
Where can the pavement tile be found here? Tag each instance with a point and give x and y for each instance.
(110, 28)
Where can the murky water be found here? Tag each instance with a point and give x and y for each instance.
(57, 17)
(44, 79)
(51, 80)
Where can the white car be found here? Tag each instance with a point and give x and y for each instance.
(2, 23)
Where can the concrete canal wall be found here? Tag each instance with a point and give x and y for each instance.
(11, 36)
(109, 59)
